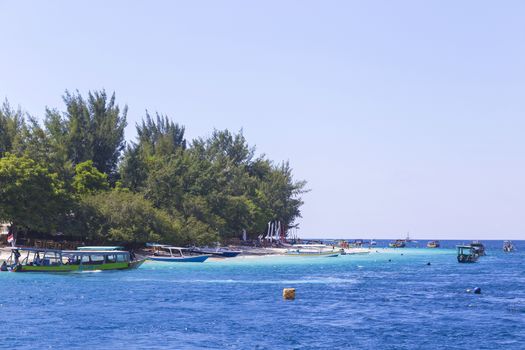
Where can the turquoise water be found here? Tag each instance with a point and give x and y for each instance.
(389, 300)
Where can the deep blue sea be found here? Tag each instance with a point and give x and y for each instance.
(389, 299)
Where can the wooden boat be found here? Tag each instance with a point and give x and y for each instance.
(399, 243)
(168, 253)
(313, 250)
(53, 260)
(467, 254)
(433, 244)
(219, 252)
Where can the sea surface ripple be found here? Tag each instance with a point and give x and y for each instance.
(389, 299)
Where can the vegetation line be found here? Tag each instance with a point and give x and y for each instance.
(75, 176)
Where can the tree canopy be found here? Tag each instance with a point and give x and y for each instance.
(75, 174)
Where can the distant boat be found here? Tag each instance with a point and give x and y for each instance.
(373, 242)
(167, 253)
(399, 243)
(467, 254)
(508, 247)
(479, 247)
(313, 250)
(433, 244)
(219, 252)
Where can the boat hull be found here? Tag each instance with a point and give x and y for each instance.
(314, 255)
(219, 254)
(198, 258)
(79, 268)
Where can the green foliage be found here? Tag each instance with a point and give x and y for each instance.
(88, 180)
(215, 183)
(30, 196)
(74, 174)
(90, 129)
(120, 216)
(12, 125)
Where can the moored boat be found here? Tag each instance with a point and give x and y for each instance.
(53, 260)
(433, 244)
(219, 252)
(479, 247)
(314, 251)
(467, 254)
(399, 243)
(508, 247)
(168, 253)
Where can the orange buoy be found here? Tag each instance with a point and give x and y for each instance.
(289, 293)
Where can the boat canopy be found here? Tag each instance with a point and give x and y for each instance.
(36, 250)
(98, 248)
(93, 252)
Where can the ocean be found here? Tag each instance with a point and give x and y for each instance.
(389, 299)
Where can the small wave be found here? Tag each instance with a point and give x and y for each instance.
(323, 280)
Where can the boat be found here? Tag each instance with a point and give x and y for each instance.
(313, 250)
(433, 244)
(467, 254)
(479, 247)
(399, 243)
(508, 247)
(218, 252)
(358, 243)
(54, 260)
(373, 243)
(168, 253)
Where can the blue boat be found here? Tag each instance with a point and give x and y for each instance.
(219, 252)
(167, 253)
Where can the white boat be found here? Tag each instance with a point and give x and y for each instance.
(508, 247)
(168, 253)
(313, 250)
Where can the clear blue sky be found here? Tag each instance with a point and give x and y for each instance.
(401, 115)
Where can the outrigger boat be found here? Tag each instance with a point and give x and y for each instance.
(218, 252)
(53, 260)
(168, 253)
(467, 254)
(400, 243)
(433, 244)
(313, 250)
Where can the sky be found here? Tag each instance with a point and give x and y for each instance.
(403, 116)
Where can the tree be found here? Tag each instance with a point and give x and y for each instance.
(57, 176)
(88, 180)
(12, 124)
(30, 196)
(91, 129)
(158, 140)
(122, 216)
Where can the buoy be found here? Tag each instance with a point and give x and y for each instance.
(289, 293)
(389, 260)
(477, 290)
(428, 264)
